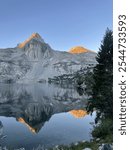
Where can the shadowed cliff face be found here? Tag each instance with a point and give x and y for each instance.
(34, 104)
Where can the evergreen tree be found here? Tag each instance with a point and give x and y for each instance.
(102, 89)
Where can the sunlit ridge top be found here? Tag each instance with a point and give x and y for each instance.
(78, 50)
(33, 36)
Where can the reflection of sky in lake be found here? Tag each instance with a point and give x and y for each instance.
(46, 110)
(62, 128)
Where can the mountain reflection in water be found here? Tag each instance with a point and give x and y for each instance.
(42, 109)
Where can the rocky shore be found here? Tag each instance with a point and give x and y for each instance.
(84, 145)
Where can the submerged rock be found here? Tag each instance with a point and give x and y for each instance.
(3, 148)
(87, 149)
(106, 147)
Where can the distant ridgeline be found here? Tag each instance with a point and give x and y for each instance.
(35, 61)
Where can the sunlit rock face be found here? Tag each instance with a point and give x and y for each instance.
(35, 48)
(34, 60)
(79, 50)
(33, 36)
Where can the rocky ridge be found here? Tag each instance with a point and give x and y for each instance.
(34, 60)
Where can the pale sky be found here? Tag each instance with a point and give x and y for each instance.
(63, 24)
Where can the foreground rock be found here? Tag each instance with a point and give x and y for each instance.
(87, 149)
(106, 147)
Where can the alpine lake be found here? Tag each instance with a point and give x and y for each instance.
(43, 114)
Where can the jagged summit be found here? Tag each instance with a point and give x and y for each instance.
(33, 36)
(35, 61)
(78, 50)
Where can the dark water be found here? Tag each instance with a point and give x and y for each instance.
(33, 114)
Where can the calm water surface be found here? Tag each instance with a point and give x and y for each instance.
(42, 114)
